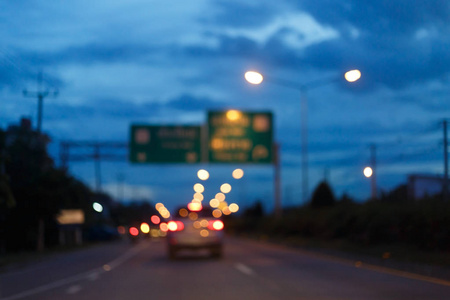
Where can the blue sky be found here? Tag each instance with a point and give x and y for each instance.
(168, 62)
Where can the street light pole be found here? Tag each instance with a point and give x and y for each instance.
(373, 162)
(304, 142)
(256, 78)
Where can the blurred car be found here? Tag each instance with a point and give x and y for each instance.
(101, 233)
(194, 228)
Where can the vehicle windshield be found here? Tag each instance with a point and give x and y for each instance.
(224, 149)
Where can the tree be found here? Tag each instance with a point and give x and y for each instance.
(323, 196)
(255, 211)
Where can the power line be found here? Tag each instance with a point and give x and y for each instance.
(94, 153)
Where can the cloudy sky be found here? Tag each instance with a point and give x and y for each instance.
(120, 62)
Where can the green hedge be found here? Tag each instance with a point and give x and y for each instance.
(424, 224)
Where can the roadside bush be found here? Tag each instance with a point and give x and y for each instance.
(423, 224)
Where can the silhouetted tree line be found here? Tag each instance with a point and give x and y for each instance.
(33, 191)
(393, 218)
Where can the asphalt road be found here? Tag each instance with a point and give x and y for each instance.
(249, 270)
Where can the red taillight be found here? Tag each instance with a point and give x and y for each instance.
(215, 225)
(134, 231)
(155, 219)
(163, 227)
(180, 225)
(175, 226)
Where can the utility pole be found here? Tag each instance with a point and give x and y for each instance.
(40, 94)
(445, 185)
(373, 163)
(120, 182)
(98, 179)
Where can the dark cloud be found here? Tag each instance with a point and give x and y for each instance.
(124, 109)
(384, 17)
(387, 45)
(18, 79)
(188, 102)
(241, 14)
(21, 66)
(93, 53)
(103, 107)
(429, 101)
(228, 47)
(14, 73)
(388, 48)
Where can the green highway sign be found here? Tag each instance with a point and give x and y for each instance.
(240, 137)
(164, 144)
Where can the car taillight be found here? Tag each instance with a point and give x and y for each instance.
(134, 231)
(215, 225)
(175, 226)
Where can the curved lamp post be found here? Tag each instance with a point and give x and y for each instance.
(254, 77)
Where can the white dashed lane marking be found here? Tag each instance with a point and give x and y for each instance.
(244, 269)
(73, 289)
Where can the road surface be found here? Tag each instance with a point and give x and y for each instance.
(249, 270)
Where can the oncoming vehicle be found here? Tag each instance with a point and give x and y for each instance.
(195, 228)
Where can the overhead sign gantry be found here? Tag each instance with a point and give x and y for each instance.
(240, 137)
(229, 137)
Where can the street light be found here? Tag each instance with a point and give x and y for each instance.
(368, 172)
(254, 77)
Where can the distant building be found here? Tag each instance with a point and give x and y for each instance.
(420, 186)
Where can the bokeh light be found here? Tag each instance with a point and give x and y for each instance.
(225, 188)
(217, 225)
(155, 219)
(204, 223)
(217, 213)
(197, 225)
(121, 229)
(253, 77)
(233, 207)
(202, 174)
(199, 196)
(233, 115)
(172, 226)
(193, 216)
(352, 76)
(163, 227)
(199, 188)
(97, 207)
(214, 203)
(195, 206)
(183, 212)
(226, 211)
(145, 228)
(238, 174)
(134, 231)
(220, 197)
(368, 172)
